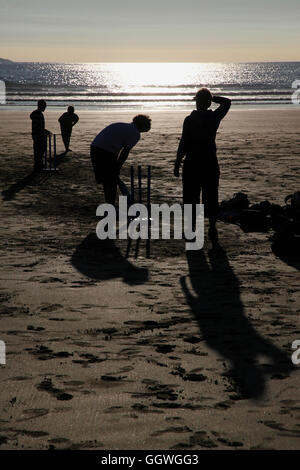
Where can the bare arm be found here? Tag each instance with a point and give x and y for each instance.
(75, 120)
(223, 109)
(122, 157)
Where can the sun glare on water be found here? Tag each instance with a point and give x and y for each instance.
(136, 76)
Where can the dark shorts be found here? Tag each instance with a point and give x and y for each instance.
(197, 179)
(65, 131)
(104, 165)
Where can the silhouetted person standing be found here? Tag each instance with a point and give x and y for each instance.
(67, 122)
(39, 135)
(110, 149)
(198, 146)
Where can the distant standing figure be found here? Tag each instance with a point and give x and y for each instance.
(110, 149)
(198, 146)
(39, 134)
(67, 122)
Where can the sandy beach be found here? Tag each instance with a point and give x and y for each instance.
(118, 345)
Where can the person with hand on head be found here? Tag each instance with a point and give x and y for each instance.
(39, 134)
(110, 149)
(198, 146)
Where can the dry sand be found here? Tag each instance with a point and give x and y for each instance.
(111, 346)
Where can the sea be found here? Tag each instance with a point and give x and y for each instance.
(153, 86)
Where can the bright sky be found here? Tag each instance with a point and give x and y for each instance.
(154, 30)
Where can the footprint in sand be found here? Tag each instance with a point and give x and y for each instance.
(47, 386)
(178, 430)
(34, 413)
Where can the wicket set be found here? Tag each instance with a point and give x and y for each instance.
(139, 185)
(49, 159)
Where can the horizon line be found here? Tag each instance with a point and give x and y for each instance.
(149, 62)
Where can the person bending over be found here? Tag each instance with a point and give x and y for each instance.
(110, 149)
(200, 168)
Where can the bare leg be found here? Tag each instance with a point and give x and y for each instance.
(66, 141)
(110, 191)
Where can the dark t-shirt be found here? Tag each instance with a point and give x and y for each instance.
(67, 121)
(38, 124)
(198, 140)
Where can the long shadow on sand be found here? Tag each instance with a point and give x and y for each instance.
(291, 261)
(32, 179)
(102, 260)
(220, 314)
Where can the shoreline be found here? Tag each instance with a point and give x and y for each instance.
(96, 108)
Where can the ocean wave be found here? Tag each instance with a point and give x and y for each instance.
(80, 99)
(134, 84)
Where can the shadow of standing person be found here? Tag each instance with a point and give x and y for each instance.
(31, 179)
(220, 314)
(294, 262)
